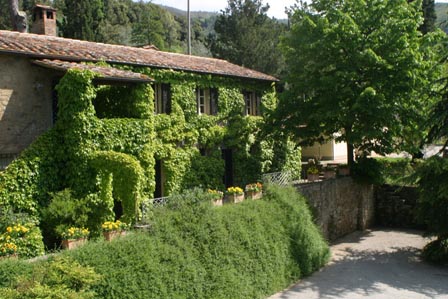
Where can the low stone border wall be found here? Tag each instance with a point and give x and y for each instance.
(340, 205)
(396, 206)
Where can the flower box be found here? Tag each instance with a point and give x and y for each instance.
(73, 243)
(254, 194)
(234, 198)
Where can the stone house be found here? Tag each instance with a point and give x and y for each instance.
(32, 64)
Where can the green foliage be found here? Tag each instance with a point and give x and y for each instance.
(82, 19)
(111, 160)
(67, 211)
(357, 68)
(27, 181)
(249, 250)
(127, 178)
(22, 231)
(433, 202)
(245, 35)
(124, 101)
(397, 171)
(57, 278)
(429, 15)
(432, 206)
(436, 252)
(368, 170)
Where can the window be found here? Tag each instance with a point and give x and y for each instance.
(253, 102)
(49, 15)
(207, 101)
(162, 98)
(203, 108)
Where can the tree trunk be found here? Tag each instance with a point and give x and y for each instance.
(14, 11)
(18, 18)
(350, 155)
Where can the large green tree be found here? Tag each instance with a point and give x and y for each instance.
(357, 73)
(83, 19)
(245, 35)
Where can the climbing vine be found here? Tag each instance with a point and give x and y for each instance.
(107, 142)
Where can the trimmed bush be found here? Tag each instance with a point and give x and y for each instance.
(194, 250)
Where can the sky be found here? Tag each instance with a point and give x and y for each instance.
(277, 7)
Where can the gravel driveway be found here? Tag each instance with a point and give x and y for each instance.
(379, 264)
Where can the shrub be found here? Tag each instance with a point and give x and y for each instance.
(433, 206)
(21, 233)
(58, 278)
(395, 171)
(249, 250)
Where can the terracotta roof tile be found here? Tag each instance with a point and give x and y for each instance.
(43, 46)
(104, 72)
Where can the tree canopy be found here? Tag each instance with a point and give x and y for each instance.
(245, 35)
(357, 70)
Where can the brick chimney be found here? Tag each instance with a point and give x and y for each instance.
(44, 20)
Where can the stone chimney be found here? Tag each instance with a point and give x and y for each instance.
(44, 20)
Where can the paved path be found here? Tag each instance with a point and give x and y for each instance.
(378, 264)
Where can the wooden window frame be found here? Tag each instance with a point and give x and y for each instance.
(252, 102)
(207, 101)
(162, 98)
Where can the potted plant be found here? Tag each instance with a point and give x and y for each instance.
(343, 170)
(254, 191)
(216, 197)
(74, 237)
(312, 173)
(329, 172)
(234, 195)
(112, 229)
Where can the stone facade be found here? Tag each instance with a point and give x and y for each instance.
(25, 104)
(340, 206)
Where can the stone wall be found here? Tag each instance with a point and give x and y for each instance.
(340, 206)
(396, 206)
(25, 104)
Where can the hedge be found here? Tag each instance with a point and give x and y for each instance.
(249, 250)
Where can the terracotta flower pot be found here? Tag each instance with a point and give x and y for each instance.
(74, 243)
(234, 198)
(329, 174)
(312, 177)
(109, 236)
(254, 194)
(217, 202)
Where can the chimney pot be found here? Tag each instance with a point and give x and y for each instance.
(44, 20)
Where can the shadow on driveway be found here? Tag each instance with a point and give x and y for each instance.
(376, 264)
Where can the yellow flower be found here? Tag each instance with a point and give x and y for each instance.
(9, 229)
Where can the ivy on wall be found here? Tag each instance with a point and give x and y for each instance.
(111, 131)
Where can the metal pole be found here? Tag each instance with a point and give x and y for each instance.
(189, 27)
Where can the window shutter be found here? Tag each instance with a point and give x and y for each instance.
(214, 101)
